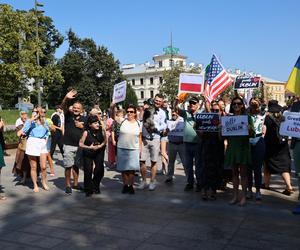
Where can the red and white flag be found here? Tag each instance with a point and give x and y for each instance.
(191, 83)
(217, 79)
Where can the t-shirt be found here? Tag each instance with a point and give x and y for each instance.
(56, 120)
(72, 133)
(19, 122)
(189, 133)
(129, 135)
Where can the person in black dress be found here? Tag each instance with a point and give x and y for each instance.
(277, 157)
(93, 143)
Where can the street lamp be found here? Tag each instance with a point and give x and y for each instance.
(36, 5)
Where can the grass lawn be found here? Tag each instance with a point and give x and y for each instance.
(10, 116)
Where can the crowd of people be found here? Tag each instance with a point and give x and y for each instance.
(153, 132)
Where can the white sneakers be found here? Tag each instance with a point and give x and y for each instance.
(144, 185)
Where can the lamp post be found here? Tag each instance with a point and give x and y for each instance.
(36, 5)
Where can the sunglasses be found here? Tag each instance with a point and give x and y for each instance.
(192, 103)
(215, 110)
(237, 104)
(130, 112)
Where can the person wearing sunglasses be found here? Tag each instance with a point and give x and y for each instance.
(257, 143)
(37, 129)
(192, 143)
(238, 154)
(128, 148)
(212, 157)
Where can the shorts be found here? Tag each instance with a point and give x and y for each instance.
(71, 156)
(164, 138)
(150, 149)
(36, 146)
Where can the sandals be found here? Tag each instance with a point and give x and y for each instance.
(288, 192)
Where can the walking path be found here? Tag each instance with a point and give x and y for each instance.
(167, 218)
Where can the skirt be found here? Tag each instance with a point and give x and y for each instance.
(128, 159)
(36, 146)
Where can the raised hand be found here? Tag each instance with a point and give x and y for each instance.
(71, 94)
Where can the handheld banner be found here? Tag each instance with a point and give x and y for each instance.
(207, 122)
(119, 94)
(246, 82)
(291, 125)
(235, 125)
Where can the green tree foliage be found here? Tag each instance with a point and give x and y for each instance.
(18, 49)
(171, 80)
(92, 70)
(131, 97)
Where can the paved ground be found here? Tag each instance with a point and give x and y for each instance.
(167, 218)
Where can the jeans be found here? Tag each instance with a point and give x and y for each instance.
(173, 149)
(56, 139)
(192, 152)
(257, 154)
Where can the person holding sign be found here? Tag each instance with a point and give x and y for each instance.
(238, 154)
(257, 148)
(277, 158)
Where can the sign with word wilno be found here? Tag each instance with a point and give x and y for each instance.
(119, 92)
(247, 82)
(234, 125)
(207, 122)
(191, 83)
(291, 124)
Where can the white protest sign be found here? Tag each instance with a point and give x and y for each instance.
(119, 92)
(175, 128)
(291, 125)
(234, 125)
(191, 83)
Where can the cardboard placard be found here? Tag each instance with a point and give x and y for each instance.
(247, 82)
(119, 94)
(207, 122)
(291, 124)
(235, 125)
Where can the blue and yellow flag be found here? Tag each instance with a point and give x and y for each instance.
(293, 83)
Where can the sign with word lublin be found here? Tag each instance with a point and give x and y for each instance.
(247, 82)
(207, 122)
(234, 125)
(291, 124)
(119, 92)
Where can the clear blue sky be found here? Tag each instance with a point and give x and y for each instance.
(258, 35)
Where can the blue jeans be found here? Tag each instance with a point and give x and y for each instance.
(193, 152)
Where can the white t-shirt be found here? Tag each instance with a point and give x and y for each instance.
(19, 122)
(129, 135)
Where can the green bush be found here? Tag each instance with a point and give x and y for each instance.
(10, 137)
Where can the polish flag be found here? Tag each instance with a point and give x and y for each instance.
(191, 83)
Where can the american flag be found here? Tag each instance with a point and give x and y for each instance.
(217, 79)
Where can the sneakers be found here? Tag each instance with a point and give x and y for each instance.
(169, 180)
(152, 186)
(77, 188)
(68, 190)
(142, 185)
(188, 187)
(258, 196)
(131, 189)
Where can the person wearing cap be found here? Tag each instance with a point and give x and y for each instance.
(152, 128)
(277, 157)
(192, 143)
(57, 119)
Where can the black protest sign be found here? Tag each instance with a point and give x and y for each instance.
(247, 82)
(207, 122)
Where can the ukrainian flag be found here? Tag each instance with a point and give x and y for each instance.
(293, 83)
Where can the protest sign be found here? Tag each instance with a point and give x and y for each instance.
(207, 122)
(191, 83)
(246, 82)
(119, 92)
(175, 128)
(291, 124)
(235, 125)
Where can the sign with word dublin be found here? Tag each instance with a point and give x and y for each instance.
(247, 82)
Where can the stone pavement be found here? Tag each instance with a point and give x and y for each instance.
(167, 218)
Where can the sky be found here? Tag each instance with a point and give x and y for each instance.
(260, 36)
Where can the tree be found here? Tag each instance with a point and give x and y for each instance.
(131, 97)
(92, 70)
(171, 80)
(18, 48)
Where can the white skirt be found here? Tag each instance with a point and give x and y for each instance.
(36, 146)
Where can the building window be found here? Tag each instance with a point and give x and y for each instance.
(151, 80)
(142, 81)
(151, 94)
(160, 64)
(181, 63)
(160, 80)
(133, 82)
(142, 94)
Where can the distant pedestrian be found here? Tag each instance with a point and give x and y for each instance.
(2, 163)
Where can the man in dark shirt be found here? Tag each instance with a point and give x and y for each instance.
(74, 125)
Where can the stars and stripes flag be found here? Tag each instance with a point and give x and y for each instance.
(217, 79)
